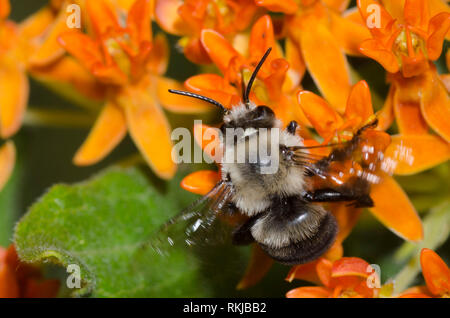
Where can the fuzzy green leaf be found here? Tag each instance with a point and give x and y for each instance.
(100, 225)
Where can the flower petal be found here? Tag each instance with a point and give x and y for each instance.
(308, 292)
(416, 13)
(286, 7)
(212, 86)
(348, 33)
(195, 51)
(346, 217)
(50, 49)
(306, 272)
(414, 295)
(395, 211)
(395, 8)
(415, 153)
(176, 103)
(108, 131)
(68, 71)
(200, 182)
(261, 38)
(158, 59)
(386, 58)
(37, 23)
(14, 97)
(335, 252)
(435, 105)
(435, 272)
(415, 292)
(139, 22)
(5, 9)
(333, 79)
(324, 270)
(438, 29)
(166, 14)
(8, 283)
(208, 139)
(297, 65)
(320, 114)
(338, 5)
(372, 11)
(386, 114)
(219, 49)
(7, 161)
(407, 111)
(82, 47)
(258, 266)
(103, 16)
(359, 104)
(35, 288)
(149, 129)
(351, 266)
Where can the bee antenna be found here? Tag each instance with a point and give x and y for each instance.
(253, 77)
(201, 97)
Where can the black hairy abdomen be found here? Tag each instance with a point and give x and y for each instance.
(285, 212)
(307, 250)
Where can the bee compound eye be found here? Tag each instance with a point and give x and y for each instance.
(292, 127)
(263, 111)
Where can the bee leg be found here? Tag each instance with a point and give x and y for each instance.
(242, 235)
(330, 195)
(292, 127)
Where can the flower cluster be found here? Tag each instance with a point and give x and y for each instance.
(114, 59)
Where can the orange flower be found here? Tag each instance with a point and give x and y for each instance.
(437, 277)
(391, 205)
(129, 62)
(22, 280)
(188, 18)
(31, 46)
(278, 80)
(322, 33)
(406, 48)
(348, 277)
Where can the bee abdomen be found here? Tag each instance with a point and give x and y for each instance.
(307, 249)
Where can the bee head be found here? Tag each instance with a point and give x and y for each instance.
(245, 115)
(249, 116)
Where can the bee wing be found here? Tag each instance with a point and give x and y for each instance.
(356, 157)
(200, 223)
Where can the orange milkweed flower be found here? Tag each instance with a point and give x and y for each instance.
(391, 205)
(322, 32)
(22, 280)
(278, 80)
(348, 277)
(406, 47)
(437, 277)
(31, 46)
(188, 18)
(395, 8)
(129, 62)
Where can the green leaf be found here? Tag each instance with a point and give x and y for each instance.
(100, 225)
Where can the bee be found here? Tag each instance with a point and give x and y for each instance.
(280, 211)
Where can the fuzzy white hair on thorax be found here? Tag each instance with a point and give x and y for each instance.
(238, 111)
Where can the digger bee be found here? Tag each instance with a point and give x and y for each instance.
(277, 209)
